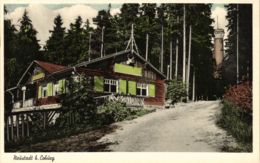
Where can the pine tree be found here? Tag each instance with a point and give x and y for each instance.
(201, 50)
(109, 25)
(74, 42)
(146, 24)
(245, 43)
(9, 52)
(55, 44)
(27, 43)
(25, 49)
(86, 42)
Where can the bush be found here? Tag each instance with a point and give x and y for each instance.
(176, 91)
(238, 123)
(79, 100)
(111, 112)
(114, 111)
(240, 95)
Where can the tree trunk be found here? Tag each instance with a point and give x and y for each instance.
(188, 67)
(170, 60)
(193, 85)
(237, 44)
(176, 60)
(184, 46)
(162, 51)
(146, 50)
(102, 42)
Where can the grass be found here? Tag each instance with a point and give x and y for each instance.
(238, 123)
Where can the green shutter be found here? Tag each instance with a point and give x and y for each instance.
(99, 83)
(62, 86)
(40, 91)
(125, 69)
(151, 90)
(132, 87)
(122, 84)
(49, 89)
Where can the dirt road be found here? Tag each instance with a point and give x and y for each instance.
(189, 127)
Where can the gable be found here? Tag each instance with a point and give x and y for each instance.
(38, 73)
(38, 70)
(116, 62)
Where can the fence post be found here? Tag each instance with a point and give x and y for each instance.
(27, 120)
(17, 126)
(22, 116)
(12, 127)
(7, 128)
(44, 120)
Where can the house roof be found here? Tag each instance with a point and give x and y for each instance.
(50, 67)
(56, 69)
(119, 54)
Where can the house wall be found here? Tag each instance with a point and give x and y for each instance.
(48, 100)
(159, 98)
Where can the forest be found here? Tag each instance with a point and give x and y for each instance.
(185, 31)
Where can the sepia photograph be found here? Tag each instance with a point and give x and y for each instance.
(127, 77)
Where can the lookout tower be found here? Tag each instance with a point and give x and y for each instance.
(218, 54)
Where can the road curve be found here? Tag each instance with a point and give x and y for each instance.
(188, 127)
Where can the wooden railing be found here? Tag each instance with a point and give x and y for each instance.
(23, 104)
(132, 101)
(19, 126)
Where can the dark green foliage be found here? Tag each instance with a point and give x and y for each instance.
(201, 53)
(10, 57)
(245, 43)
(20, 49)
(78, 100)
(109, 24)
(111, 112)
(176, 91)
(74, 43)
(55, 49)
(27, 48)
(238, 123)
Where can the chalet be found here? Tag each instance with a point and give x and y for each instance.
(124, 76)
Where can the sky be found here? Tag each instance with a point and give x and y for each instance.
(42, 15)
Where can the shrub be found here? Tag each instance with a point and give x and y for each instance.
(78, 100)
(240, 95)
(176, 91)
(111, 112)
(238, 123)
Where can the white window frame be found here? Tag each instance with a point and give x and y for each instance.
(142, 86)
(44, 89)
(111, 82)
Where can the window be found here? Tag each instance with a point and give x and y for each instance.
(110, 85)
(142, 89)
(44, 91)
(56, 88)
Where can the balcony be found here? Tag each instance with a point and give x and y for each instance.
(27, 103)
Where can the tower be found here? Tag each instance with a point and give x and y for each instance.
(218, 54)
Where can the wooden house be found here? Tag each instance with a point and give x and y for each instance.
(124, 76)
